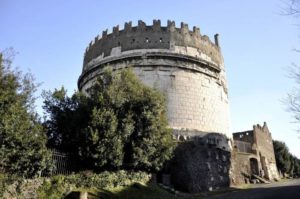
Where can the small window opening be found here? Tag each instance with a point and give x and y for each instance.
(119, 44)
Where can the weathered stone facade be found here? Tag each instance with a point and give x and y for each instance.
(201, 164)
(253, 153)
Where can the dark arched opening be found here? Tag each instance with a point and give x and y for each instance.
(254, 166)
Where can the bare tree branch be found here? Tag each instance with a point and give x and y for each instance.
(292, 7)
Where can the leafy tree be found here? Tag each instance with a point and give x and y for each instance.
(128, 126)
(66, 117)
(285, 161)
(122, 124)
(295, 167)
(22, 139)
(282, 156)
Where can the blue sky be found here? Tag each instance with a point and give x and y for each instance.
(256, 40)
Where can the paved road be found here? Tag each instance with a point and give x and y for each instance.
(279, 190)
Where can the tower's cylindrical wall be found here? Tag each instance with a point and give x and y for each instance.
(194, 100)
(187, 68)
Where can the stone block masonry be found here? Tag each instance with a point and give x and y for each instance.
(194, 100)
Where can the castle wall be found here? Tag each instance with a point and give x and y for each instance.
(241, 170)
(262, 150)
(244, 147)
(194, 100)
(246, 136)
(266, 151)
(199, 165)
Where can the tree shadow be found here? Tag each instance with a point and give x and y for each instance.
(135, 191)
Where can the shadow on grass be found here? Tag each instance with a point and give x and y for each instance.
(139, 191)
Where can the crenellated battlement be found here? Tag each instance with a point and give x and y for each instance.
(153, 36)
(260, 128)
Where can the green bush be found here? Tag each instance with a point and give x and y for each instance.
(60, 185)
(121, 125)
(128, 127)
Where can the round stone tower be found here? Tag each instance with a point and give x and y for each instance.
(185, 65)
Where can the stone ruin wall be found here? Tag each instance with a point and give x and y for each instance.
(265, 149)
(256, 144)
(186, 66)
(194, 100)
(200, 164)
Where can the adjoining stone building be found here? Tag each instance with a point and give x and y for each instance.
(253, 154)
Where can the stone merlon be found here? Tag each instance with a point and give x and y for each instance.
(152, 36)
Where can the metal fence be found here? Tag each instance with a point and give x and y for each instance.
(63, 162)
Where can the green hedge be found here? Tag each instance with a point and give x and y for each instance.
(59, 186)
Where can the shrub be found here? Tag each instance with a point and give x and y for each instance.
(122, 124)
(128, 126)
(60, 185)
